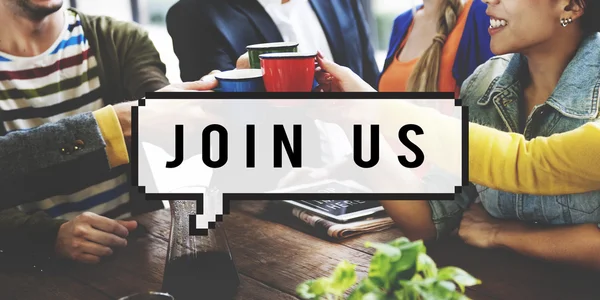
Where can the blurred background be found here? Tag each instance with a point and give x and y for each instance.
(151, 14)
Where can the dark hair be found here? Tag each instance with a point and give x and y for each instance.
(590, 20)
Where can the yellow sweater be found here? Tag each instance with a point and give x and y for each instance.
(564, 163)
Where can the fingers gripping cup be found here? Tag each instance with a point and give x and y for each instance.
(254, 51)
(288, 72)
(243, 80)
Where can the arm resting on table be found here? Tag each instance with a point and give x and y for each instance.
(36, 233)
(34, 165)
(574, 244)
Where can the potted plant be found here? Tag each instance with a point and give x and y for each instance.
(400, 269)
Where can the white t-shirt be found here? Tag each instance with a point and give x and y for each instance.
(298, 22)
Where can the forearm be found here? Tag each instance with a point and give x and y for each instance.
(43, 161)
(36, 233)
(560, 164)
(413, 217)
(577, 245)
(26, 151)
(142, 69)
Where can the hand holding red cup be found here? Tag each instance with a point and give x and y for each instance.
(332, 77)
(288, 71)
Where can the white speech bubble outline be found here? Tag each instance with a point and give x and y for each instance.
(211, 210)
(179, 181)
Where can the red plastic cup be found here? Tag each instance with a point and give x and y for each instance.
(288, 72)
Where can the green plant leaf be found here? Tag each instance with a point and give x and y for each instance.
(423, 291)
(405, 267)
(443, 290)
(344, 277)
(427, 289)
(458, 275)
(313, 289)
(429, 295)
(399, 242)
(448, 285)
(408, 290)
(459, 296)
(400, 269)
(304, 290)
(426, 265)
(417, 278)
(379, 270)
(369, 285)
(385, 249)
(321, 286)
(429, 281)
(374, 296)
(364, 287)
(415, 245)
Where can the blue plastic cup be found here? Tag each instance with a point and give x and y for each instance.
(242, 80)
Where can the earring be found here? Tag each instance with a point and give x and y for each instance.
(564, 22)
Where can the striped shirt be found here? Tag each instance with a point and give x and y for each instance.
(61, 82)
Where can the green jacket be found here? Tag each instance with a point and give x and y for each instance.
(33, 168)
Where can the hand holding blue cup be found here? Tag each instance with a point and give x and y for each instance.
(244, 80)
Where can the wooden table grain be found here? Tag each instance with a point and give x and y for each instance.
(274, 253)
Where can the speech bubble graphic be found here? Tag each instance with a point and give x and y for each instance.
(298, 146)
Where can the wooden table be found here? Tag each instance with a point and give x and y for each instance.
(275, 253)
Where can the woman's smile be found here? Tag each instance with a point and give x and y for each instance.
(496, 25)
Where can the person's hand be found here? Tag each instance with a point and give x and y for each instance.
(206, 84)
(478, 228)
(243, 62)
(188, 113)
(335, 78)
(332, 77)
(89, 237)
(184, 109)
(157, 121)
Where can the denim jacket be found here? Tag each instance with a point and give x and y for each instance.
(493, 94)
